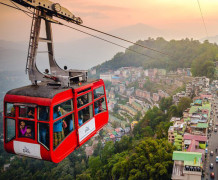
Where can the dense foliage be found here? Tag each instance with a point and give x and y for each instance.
(180, 54)
(146, 159)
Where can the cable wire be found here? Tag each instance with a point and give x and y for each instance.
(95, 35)
(20, 9)
(106, 40)
(15, 8)
(123, 39)
(202, 17)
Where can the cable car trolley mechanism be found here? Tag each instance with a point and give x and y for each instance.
(62, 109)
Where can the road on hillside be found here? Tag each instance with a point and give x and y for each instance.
(213, 144)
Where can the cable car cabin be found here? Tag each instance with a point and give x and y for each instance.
(49, 123)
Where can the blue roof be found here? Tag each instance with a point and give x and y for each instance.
(115, 77)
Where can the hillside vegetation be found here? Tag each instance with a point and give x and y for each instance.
(180, 54)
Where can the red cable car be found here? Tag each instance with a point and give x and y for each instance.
(49, 123)
(51, 119)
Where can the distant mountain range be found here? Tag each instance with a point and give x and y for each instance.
(79, 54)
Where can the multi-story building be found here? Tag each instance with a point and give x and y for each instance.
(122, 88)
(130, 91)
(156, 97)
(129, 109)
(171, 136)
(106, 76)
(187, 165)
(137, 106)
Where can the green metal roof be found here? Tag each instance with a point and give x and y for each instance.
(187, 119)
(114, 133)
(206, 106)
(202, 125)
(178, 141)
(178, 137)
(189, 158)
(194, 109)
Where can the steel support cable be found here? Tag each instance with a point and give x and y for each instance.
(20, 8)
(91, 34)
(84, 32)
(106, 34)
(16, 8)
(106, 40)
(202, 17)
(123, 39)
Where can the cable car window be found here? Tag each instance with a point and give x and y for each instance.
(26, 112)
(68, 124)
(100, 105)
(62, 128)
(85, 114)
(43, 113)
(43, 134)
(26, 129)
(10, 109)
(98, 92)
(62, 109)
(84, 99)
(84, 91)
(10, 129)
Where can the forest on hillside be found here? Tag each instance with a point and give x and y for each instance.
(183, 53)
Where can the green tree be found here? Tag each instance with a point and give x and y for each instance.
(183, 104)
(165, 103)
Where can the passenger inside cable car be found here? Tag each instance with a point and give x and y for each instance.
(52, 127)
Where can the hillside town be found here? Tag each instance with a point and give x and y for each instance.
(128, 96)
(194, 133)
(132, 91)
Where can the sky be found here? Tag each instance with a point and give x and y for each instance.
(182, 16)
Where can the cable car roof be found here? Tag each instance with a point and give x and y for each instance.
(44, 91)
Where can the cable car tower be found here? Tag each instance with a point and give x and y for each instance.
(46, 10)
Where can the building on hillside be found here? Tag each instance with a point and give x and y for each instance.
(162, 94)
(130, 91)
(141, 84)
(117, 72)
(186, 166)
(143, 94)
(171, 137)
(131, 100)
(129, 109)
(188, 72)
(146, 72)
(205, 96)
(194, 143)
(137, 106)
(185, 113)
(115, 80)
(6, 167)
(106, 77)
(178, 82)
(174, 119)
(133, 124)
(162, 72)
(156, 97)
(89, 150)
(122, 88)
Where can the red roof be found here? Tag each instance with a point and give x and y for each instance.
(112, 136)
(194, 137)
